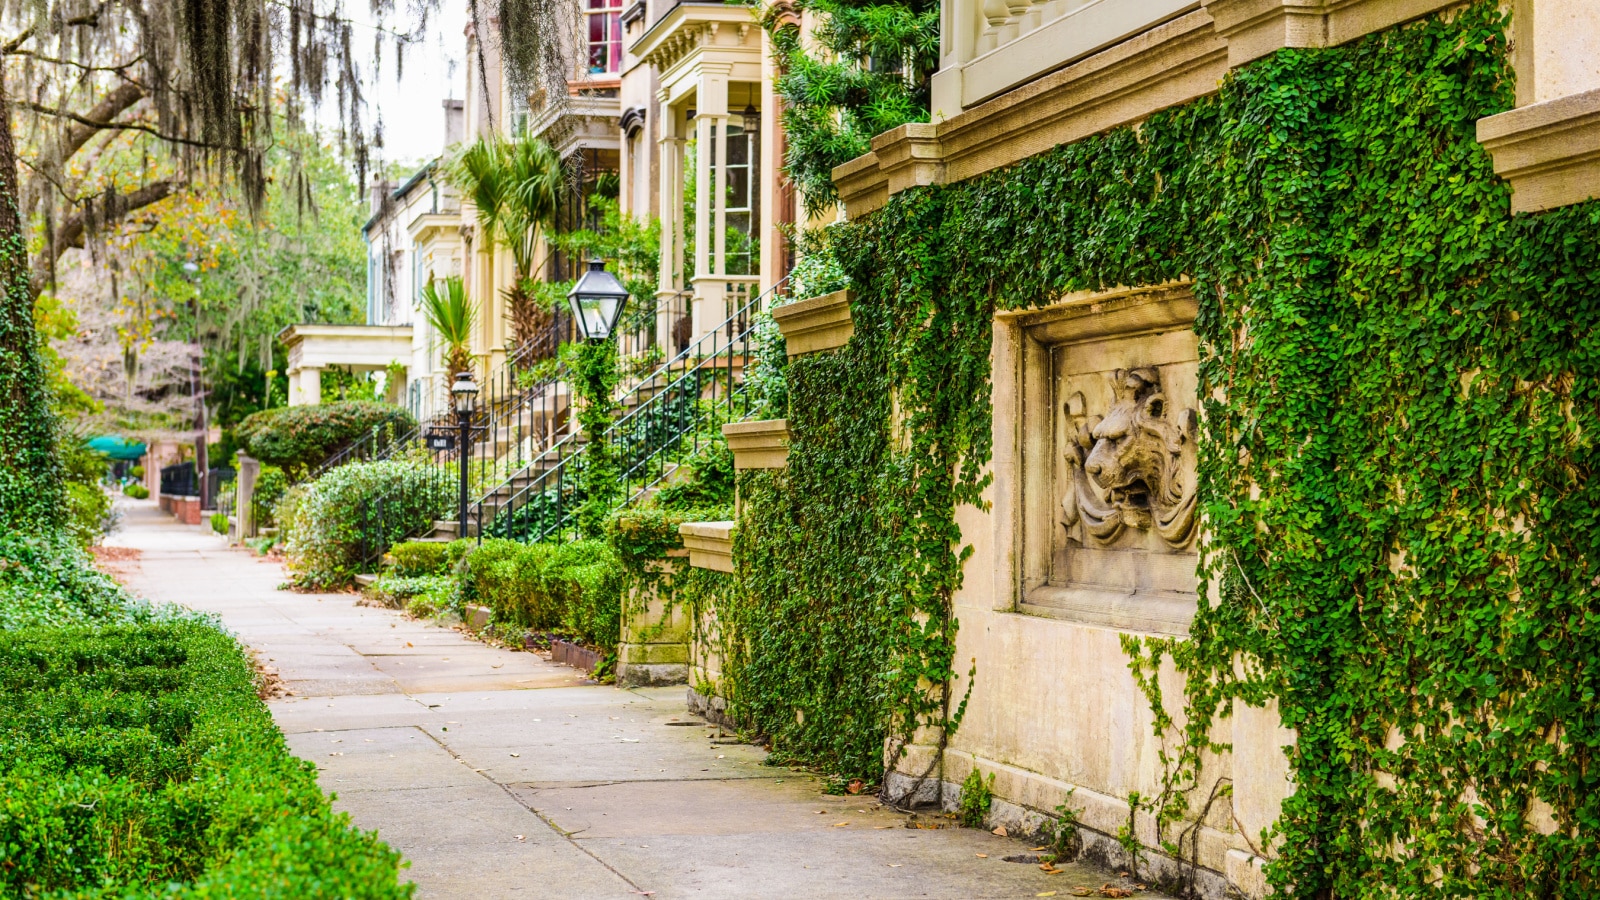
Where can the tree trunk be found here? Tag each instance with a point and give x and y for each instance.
(31, 489)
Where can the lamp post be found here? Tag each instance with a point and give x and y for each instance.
(597, 301)
(465, 394)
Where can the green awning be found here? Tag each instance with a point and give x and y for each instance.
(117, 447)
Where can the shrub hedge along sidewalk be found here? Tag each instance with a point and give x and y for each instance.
(137, 761)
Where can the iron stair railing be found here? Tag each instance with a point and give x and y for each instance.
(702, 387)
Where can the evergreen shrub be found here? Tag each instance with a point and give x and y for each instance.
(297, 438)
(50, 580)
(137, 761)
(335, 522)
(419, 558)
(574, 588)
(136, 491)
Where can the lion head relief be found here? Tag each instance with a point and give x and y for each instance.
(1126, 468)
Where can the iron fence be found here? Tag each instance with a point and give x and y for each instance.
(179, 480)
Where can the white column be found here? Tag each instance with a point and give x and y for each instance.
(306, 389)
(710, 226)
(702, 194)
(670, 279)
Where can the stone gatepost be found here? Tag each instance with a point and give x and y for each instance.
(244, 520)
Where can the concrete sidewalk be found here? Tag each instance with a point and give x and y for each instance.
(499, 774)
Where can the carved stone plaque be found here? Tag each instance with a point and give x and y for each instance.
(1113, 540)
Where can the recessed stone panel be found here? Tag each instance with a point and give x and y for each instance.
(1109, 395)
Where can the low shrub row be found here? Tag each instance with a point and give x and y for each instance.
(137, 760)
(576, 587)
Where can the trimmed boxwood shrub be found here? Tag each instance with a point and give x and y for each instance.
(508, 577)
(574, 588)
(585, 579)
(298, 438)
(136, 491)
(137, 760)
(357, 510)
(414, 559)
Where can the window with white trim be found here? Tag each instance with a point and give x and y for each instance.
(603, 26)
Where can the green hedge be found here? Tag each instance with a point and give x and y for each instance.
(417, 558)
(298, 438)
(575, 588)
(357, 509)
(138, 760)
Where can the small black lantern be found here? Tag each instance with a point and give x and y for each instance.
(751, 119)
(464, 392)
(597, 301)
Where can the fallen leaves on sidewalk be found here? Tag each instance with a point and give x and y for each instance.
(1000, 830)
(1107, 890)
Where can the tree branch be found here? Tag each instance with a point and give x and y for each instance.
(124, 126)
(72, 230)
(91, 17)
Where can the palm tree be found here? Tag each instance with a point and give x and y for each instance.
(452, 315)
(517, 187)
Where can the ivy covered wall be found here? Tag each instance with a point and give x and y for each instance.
(1402, 388)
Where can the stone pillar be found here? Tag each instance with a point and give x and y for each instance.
(244, 520)
(702, 194)
(305, 386)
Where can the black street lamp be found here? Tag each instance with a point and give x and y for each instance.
(465, 394)
(597, 301)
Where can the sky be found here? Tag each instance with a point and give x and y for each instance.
(411, 108)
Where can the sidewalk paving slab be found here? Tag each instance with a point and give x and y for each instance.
(500, 774)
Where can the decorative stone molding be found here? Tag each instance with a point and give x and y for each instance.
(1255, 28)
(1550, 152)
(1125, 469)
(1176, 61)
(710, 544)
(1099, 428)
(758, 445)
(1170, 64)
(821, 323)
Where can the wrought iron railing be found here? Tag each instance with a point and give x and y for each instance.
(216, 477)
(180, 480)
(664, 419)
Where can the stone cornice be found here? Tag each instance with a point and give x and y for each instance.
(710, 544)
(820, 323)
(689, 26)
(758, 445)
(1172, 63)
(1550, 152)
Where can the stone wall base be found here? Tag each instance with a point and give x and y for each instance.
(632, 674)
(712, 709)
(1097, 847)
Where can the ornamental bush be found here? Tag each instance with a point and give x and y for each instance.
(136, 491)
(357, 511)
(298, 438)
(138, 761)
(271, 485)
(508, 577)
